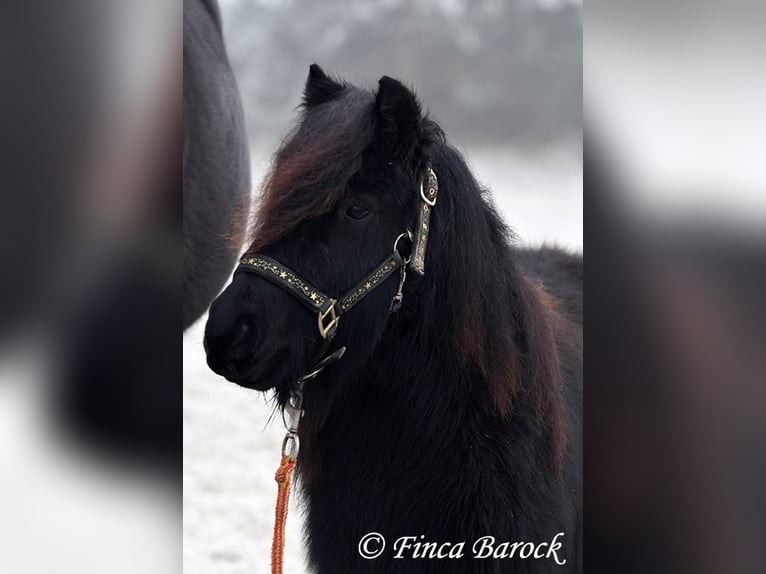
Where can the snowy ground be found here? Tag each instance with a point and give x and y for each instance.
(231, 453)
(230, 456)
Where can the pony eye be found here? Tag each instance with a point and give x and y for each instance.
(357, 212)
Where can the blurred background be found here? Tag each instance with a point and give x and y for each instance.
(494, 72)
(504, 81)
(90, 290)
(675, 212)
(502, 78)
(90, 251)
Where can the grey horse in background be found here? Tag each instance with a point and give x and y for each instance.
(120, 384)
(216, 173)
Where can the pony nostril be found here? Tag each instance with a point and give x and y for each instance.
(243, 341)
(230, 343)
(226, 346)
(243, 331)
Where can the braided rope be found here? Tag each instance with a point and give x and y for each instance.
(283, 478)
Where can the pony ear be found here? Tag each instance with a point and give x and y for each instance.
(399, 115)
(320, 88)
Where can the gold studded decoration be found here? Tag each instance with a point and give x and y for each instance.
(283, 274)
(372, 281)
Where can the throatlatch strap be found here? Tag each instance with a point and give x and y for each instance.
(286, 278)
(372, 280)
(429, 189)
(284, 479)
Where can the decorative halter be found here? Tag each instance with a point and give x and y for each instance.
(329, 311)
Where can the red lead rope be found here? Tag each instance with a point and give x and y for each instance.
(284, 478)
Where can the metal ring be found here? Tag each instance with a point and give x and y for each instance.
(291, 439)
(408, 235)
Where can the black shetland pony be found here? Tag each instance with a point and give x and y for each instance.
(457, 417)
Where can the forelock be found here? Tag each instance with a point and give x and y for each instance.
(312, 168)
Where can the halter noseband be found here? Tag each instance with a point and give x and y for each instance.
(329, 309)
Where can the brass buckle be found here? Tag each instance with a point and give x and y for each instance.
(431, 192)
(326, 328)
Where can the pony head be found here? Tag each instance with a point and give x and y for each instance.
(343, 186)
